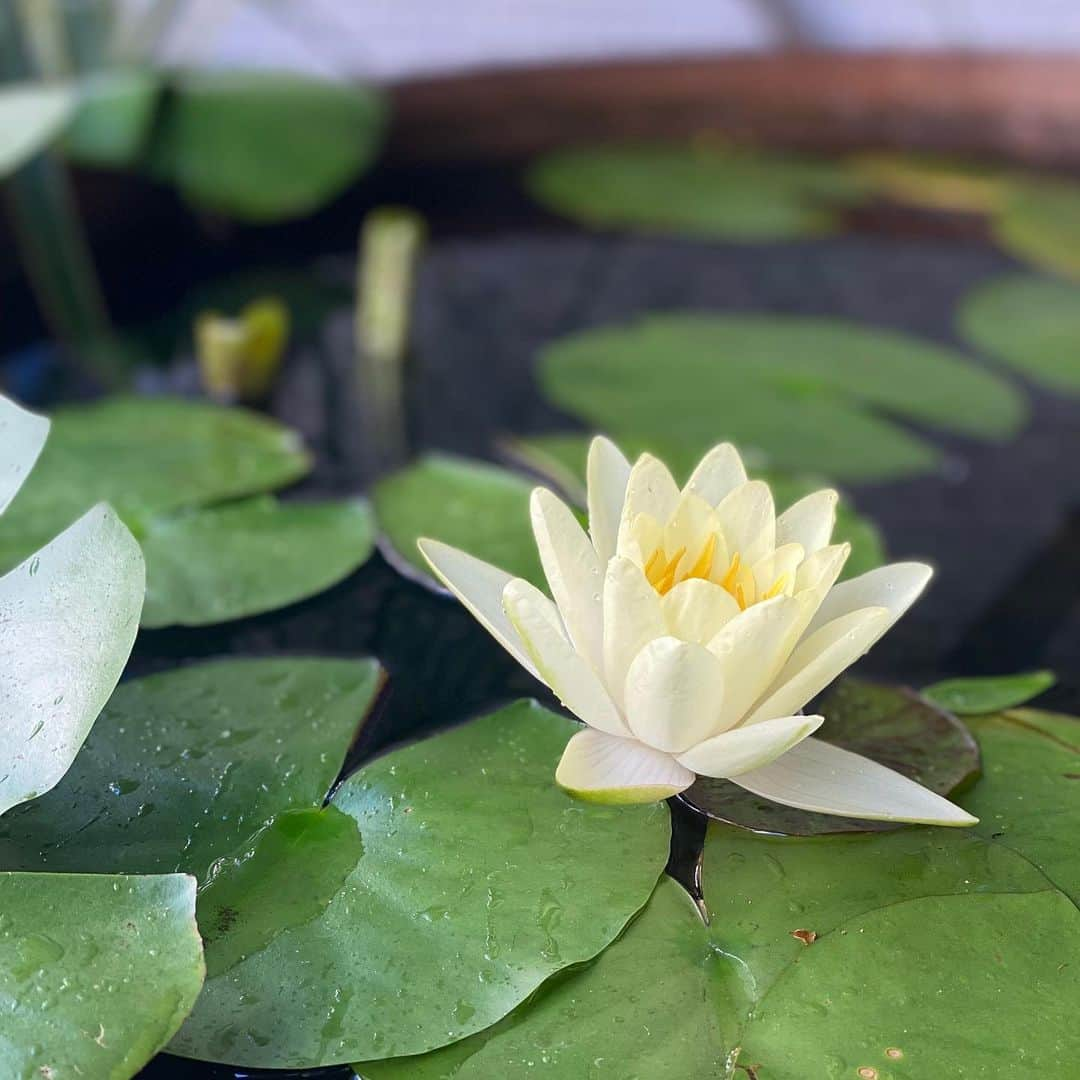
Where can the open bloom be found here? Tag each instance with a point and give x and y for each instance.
(687, 631)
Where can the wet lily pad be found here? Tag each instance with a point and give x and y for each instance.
(804, 393)
(1029, 323)
(477, 507)
(183, 768)
(990, 693)
(890, 725)
(1040, 224)
(219, 140)
(479, 879)
(96, 972)
(225, 562)
(703, 190)
(146, 456)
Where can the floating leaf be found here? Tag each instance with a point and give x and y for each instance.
(31, 114)
(68, 619)
(96, 973)
(888, 724)
(146, 456)
(112, 120)
(479, 879)
(1030, 323)
(1040, 224)
(226, 562)
(220, 141)
(184, 767)
(807, 393)
(990, 693)
(480, 508)
(938, 183)
(705, 190)
(22, 436)
(560, 459)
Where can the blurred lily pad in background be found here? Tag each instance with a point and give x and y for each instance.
(1031, 324)
(807, 394)
(990, 693)
(937, 183)
(1040, 223)
(707, 190)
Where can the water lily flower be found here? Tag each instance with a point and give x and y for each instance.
(688, 629)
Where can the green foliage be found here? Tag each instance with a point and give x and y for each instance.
(96, 972)
(887, 724)
(805, 393)
(1040, 223)
(113, 118)
(1029, 323)
(702, 190)
(990, 693)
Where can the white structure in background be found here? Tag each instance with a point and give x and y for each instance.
(385, 40)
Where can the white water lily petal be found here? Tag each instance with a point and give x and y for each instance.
(821, 569)
(565, 671)
(820, 657)
(603, 768)
(573, 571)
(817, 776)
(697, 610)
(809, 522)
(479, 586)
(674, 694)
(689, 529)
(896, 587)
(22, 435)
(68, 619)
(752, 650)
(650, 490)
(778, 568)
(607, 473)
(719, 473)
(744, 749)
(632, 618)
(748, 518)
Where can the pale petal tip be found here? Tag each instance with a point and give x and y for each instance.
(629, 796)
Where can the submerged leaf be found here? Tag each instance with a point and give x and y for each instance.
(479, 879)
(805, 393)
(888, 724)
(96, 972)
(227, 562)
(990, 693)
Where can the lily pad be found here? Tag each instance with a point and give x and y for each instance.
(560, 460)
(477, 507)
(220, 141)
(146, 456)
(1029, 323)
(805, 393)
(990, 693)
(701, 190)
(183, 768)
(479, 879)
(113, 117)
(938, 183)
(31, 115)
(890, 725)
(1040, 224)
(226, 562)
(96, 972)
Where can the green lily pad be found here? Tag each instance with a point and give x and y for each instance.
(1029, 797)
(479, 508)
(1040, 224)
(1029, 323)
(806, 393)
(225, 562)
(938, 183)
(96, 972)
(183, 768)
(220, 141)
(888, 724)
(113, 117)
(701, 190)
(479, 879)
(146, 456)
(990, 693)
(31, 114)
(560, 460)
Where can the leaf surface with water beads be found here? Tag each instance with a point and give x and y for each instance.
(479, 879)
(96, 972)
(988, 693)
